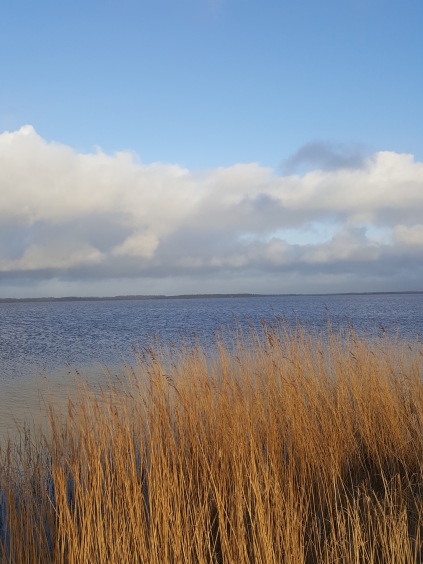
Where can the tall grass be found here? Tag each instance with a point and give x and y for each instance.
(277, 446)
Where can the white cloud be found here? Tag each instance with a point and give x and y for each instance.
(72, 216)
(49, 257)
(412, 236)
(137, 245)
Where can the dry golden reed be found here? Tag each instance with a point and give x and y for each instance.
(276, 446)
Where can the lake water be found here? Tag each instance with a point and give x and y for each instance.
(42, 341)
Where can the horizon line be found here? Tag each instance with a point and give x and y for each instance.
(140, 297)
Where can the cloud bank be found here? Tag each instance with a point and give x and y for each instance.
(97, 223)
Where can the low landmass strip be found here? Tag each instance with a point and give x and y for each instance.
(191, 296)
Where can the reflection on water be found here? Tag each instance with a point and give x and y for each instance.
(24, 403)
(39, 342)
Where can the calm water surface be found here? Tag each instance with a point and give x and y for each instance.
(52, 340)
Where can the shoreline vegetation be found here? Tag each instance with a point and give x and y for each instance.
(276, 445)
(192, 296)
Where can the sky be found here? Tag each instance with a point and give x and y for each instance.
(210, 146)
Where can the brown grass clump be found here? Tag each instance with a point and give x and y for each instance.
(275, 447)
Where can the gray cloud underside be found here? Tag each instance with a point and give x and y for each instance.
(76, 217)
(325, 156)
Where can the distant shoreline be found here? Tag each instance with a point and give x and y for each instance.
(193, 297)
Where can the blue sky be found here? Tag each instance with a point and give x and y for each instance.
(206, 83)
(203, 86)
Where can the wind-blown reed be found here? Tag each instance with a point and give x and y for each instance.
(277, 446)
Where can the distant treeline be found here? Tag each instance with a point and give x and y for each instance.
(190, 297)
(126, 298)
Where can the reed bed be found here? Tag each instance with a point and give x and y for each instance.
(276, 446)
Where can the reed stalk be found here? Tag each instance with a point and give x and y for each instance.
(275, 446)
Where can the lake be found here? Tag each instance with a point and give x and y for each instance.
(52, 341)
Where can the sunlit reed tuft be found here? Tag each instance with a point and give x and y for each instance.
(276, 446)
